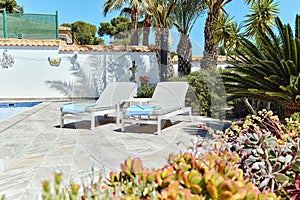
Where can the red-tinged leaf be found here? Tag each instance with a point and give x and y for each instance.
(196, 189)
(212, 191)
(158, 179)
(226, 195)
(151, 177)
(128, 162)
(185, 179)
(137, 166)
(125, 169)
(226, 185)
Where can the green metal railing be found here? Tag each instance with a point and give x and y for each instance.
(30, 26)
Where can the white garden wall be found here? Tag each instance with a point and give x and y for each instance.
(82, 74)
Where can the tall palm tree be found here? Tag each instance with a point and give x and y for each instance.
(161, 11)
(147, 22)
(186, 13)
(262, 15)
(135, 6)
(146, 29)
(215, 10)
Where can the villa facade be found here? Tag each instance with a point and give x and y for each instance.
(51, 69)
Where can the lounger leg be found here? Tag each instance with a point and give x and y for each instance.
(123, 125)
(118, 120)
(118, 115)
(61, 121)
(190, 114)
(158, 125)
(92, 121)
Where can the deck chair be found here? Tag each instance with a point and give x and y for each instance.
(106, 104)
(168, 100)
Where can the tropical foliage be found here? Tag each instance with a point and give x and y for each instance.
(261, 16)
(269, 68)
(227, 33)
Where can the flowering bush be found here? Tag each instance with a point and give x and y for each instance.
(269, 155)
(293, 125)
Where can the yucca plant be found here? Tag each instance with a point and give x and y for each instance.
(269, 68)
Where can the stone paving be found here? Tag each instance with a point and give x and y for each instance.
(33, 148)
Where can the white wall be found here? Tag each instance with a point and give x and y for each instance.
(31, 75)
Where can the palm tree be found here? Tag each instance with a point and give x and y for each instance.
(269, 68)
(215, 10)
(261, 16)
(161, 11)
(235, 35)
(147, 22)
(135, 6)
(146, 29)
(252, 1)
(186, 13)
(228, 33)
(222, 31)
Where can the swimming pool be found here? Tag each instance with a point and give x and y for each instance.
(10, 109)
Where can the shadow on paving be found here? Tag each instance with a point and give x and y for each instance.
(147, 128)
(203, 132)
(86, 124)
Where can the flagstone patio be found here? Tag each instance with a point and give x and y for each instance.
(33, 147)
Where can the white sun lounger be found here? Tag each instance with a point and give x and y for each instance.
(168, 100)
(106, 104)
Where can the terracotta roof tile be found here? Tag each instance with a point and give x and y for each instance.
(199, 58)
(104, 48)
(28, 42)
(63, 47)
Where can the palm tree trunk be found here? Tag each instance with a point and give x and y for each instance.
(134, 27)
(157, 47)
(210, 54)
(163, 54)
(146, 30)
(184, 52)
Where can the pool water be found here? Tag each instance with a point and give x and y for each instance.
(8, 110)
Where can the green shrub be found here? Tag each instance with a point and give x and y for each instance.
(209, 89)
(146, 91)
(206, 94)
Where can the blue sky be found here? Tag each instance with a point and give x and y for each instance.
(90, 11)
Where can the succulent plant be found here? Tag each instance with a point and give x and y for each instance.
(269, 156)
(213, 175)
(293, 125)
(59, 193)
(294, 190)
